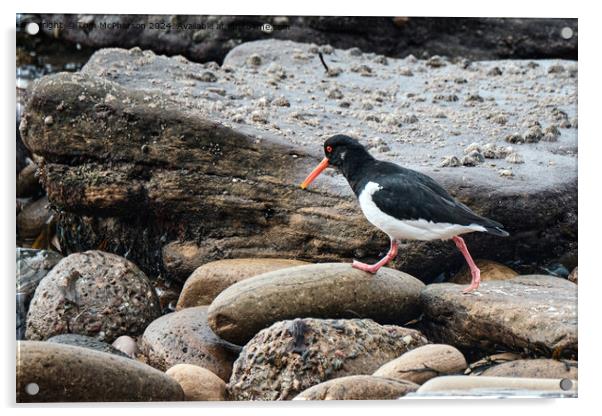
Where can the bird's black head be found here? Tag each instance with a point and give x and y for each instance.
(341, 150)
(343, 153)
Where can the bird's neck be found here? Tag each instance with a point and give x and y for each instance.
(354, 166)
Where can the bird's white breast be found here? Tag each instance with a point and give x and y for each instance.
(410, 229)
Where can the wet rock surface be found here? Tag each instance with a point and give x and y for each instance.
(206, 38)
(291, 356)
(177, 141)
(66, 373)
(535, 368)
(535, 314)
(423, 363)
(184, 337)
(98, 294)
(209, 280)
(86, 342)
(330, 290)
(358, 388)
(32, 266)
(490, 270)
(198, 383)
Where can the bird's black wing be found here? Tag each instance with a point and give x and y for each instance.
(410, 195)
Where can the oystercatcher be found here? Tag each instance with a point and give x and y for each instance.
(405, 204)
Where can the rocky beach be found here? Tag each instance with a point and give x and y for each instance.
(165, 251)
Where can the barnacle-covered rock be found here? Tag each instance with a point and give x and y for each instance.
(291, 356)
(98, 294)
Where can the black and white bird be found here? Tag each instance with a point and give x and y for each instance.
(405, 204)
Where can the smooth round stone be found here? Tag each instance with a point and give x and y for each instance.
(94, 293)
(535, 368)
(480, 384)
(126, 345)
(209, 280)
(184, 337)
(360, 387)
(65, 373)
(329, 290)
(490, 270)
(86, 342)
(423, 363)
(198, 383)
(291, 356)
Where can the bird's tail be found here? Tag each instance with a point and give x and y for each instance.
(496, 231)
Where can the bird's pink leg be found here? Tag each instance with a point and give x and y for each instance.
(373, 268)
(474, 270)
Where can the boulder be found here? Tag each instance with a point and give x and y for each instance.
(490, 270)
(184, 337)
(392, 36)
(86, 342)
(211, 279)
(291, 356)
(65, 373)
(32, 266)
(423, 363)
(211, 156)
(32, 219)
(329, 290)
(490, 386)
(536, 314)
(98, 294)
(198, 383)
(534, 368)
(358, 388)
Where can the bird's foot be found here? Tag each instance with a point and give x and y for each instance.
(476, 280)
(370, 268)
(471, 288)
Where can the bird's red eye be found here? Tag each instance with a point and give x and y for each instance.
(329, 149)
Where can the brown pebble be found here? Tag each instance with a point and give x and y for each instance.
(198, 383)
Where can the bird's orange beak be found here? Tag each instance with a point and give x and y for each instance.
(314, 173)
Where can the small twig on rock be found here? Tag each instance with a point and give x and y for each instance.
(323, 62)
